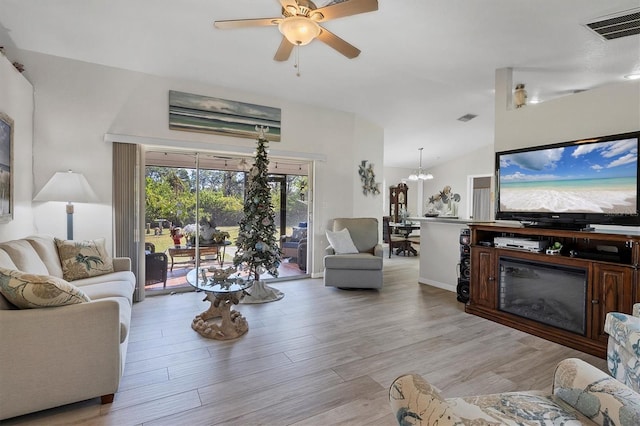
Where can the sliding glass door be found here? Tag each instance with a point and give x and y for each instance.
(187, 193)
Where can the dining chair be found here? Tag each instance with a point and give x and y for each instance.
(394, 241)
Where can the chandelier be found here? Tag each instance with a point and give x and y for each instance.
(420, 174)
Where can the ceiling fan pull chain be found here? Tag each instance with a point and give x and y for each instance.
(297, 64)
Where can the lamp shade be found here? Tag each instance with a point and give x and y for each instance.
(299, 30)
(67, 186)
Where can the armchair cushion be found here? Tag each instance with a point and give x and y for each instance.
(596, 395)
(38, 291)
(341, 242)
(623, 350)
(582, 395)
(353, 261)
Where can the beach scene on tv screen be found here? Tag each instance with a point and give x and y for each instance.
(588, 178)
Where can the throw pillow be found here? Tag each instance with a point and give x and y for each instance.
(83, 259)
(341, 241)
(38, 291)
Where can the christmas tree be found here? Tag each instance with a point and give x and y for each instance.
(258, 250)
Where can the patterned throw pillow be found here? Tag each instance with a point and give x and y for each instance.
(38, 291)
(83, 259)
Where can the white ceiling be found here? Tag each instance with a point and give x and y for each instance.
(423, 63)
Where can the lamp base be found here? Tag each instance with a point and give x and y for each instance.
(69, 221)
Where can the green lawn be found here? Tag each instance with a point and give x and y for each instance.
(164, 241)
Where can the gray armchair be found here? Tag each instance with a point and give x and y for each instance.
(358, 270)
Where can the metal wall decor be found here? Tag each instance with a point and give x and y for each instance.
(368, 177)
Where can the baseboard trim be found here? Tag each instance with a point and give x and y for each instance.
(437, 284)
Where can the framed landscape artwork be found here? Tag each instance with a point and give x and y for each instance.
(196, 113)
(6, 168)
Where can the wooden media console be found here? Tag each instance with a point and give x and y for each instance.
(560, 297)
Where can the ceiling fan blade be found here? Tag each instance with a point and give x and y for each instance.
(346, 8)
(243, 23)
(293, 5)
(339, 44)
(284, 51)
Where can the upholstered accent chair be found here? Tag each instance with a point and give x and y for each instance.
(289, 244)
(581, 394)
(623, 350)
(355, 270)
(155, 266)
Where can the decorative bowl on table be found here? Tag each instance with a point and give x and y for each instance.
(220, 274)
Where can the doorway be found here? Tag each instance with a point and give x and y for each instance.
(479, 200)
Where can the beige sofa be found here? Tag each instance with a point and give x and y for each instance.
(58, 355)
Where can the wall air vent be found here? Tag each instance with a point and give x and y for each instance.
(467, 117)
(617, 26)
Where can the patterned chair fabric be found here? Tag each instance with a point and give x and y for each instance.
(289, 244)
(582, 395)
(623, 351)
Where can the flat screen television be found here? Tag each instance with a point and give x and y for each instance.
(571, 184)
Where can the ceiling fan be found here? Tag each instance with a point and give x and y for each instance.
(299, 24)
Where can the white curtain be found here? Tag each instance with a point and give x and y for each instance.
(482, 204)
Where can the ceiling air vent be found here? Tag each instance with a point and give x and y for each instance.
(612, 27)
(467, 117)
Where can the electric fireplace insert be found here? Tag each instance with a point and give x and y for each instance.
(550, 294)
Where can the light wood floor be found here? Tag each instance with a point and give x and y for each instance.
(320, 356)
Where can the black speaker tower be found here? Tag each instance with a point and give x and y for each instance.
(465, 266)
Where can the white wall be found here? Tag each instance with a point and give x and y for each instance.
(16, 100)
(455, 173)
(606, 110)
(77, 103)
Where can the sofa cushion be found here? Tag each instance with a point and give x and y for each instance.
(5, 260)
(83, 259)
(113, 288)
(362, 261)
(341, 241)
(24, 257)
(38, 291)
(124, 276)
(46, 248)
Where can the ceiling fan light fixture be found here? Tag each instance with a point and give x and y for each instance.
(299, 30)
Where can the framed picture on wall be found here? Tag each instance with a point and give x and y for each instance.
(6, 168)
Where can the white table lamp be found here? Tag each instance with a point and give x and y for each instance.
(70, 187)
